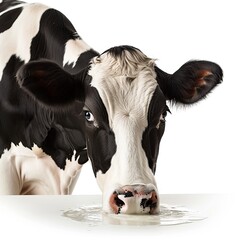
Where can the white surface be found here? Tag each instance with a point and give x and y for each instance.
(199, 152)
(40, 217)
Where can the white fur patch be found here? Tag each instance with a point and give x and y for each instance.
(26, 171)
(126, 89)
(73, 49)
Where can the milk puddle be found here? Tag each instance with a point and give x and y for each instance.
(169, 215)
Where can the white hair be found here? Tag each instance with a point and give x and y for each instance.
(128, 63)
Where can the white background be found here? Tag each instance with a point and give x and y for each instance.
(199, 151)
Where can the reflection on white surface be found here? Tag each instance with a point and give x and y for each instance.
(41, 217)
(169, 215)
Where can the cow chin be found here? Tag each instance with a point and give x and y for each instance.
(134, 198)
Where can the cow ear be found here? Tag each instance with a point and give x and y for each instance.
(49, 83)
(191, 82)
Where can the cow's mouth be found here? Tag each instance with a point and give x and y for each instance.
(133, 201)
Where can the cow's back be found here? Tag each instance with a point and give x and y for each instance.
(31, 32)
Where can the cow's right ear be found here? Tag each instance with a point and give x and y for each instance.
(50, 84)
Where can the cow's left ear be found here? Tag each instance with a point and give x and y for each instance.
(49, 83)
(191, 82)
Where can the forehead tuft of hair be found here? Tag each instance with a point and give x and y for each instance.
(125, 61)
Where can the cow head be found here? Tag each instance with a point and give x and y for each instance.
(124, 95)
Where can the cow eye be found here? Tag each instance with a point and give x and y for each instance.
(164, 114)
(89, 116)
(162, 118)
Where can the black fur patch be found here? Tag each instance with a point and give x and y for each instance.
(22, 120)
(153, 135)
(101, 143)
(5, 4)
(8, 18)
(55, 30)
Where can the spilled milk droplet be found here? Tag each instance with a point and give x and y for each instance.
(169, 215)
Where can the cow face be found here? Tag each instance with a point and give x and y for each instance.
(124, 96)
(124, 128)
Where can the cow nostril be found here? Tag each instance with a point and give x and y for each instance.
(148, 203)
(151, 202)
(145, 202)
(119, 202)
(116, 203)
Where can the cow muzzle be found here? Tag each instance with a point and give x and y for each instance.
(135, 199)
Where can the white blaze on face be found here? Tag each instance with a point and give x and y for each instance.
(126, 86)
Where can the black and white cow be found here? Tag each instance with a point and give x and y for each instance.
(62, 103)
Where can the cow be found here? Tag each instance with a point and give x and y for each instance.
(62, 104)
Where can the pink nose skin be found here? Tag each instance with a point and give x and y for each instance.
(134, 199)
